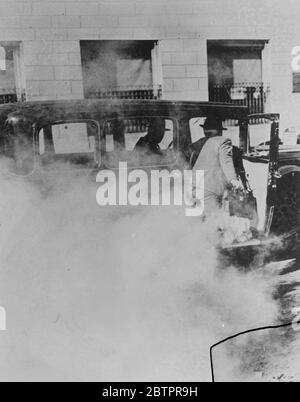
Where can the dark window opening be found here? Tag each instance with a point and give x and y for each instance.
(296, 82)
(235, 73)
(10, 73)
(119, 69)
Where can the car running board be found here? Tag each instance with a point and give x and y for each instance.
(261, 242)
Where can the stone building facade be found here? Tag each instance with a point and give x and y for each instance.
(47, 38)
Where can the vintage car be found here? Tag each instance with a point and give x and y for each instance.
(98, 134)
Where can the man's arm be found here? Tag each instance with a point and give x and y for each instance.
(226, 160)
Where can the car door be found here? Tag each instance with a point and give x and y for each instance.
(261, 164)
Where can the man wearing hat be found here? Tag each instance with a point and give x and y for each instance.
(149, 144)
(213, 155)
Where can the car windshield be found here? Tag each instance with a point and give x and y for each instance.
(231, 130)
(259, 136)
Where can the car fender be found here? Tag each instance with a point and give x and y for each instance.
(283, 170)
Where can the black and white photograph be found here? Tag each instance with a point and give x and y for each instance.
(149, 193)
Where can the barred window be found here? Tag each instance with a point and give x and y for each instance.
(121, 69)
(12, 86)
(296, 82)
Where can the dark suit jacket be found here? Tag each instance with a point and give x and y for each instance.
(216, 160)
(144, 145)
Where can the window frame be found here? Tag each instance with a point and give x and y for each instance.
(59, 156)
(295, 85)
(175, 148)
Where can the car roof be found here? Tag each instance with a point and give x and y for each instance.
(101, 108)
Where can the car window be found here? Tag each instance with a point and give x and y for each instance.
(259, 136)
(196, 130)
(69, 140)
(291, 136)
(140, 140)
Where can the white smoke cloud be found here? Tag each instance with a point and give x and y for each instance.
(113, 293)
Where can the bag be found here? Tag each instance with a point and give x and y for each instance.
(242, 203)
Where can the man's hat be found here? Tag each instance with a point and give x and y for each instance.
(212, 123)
